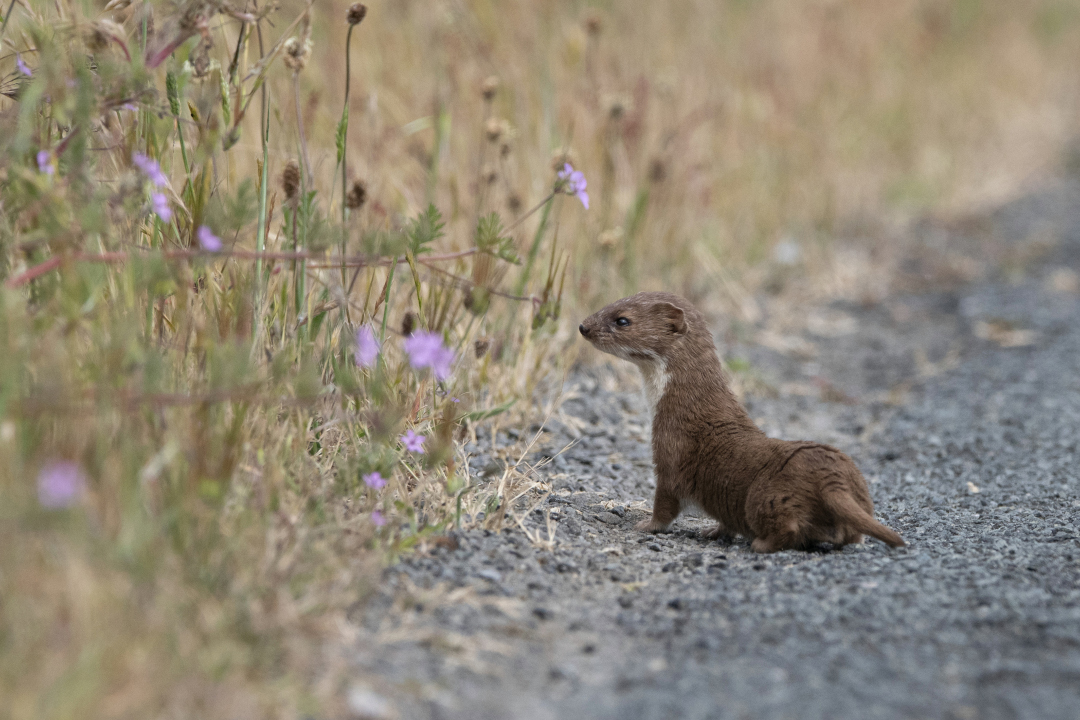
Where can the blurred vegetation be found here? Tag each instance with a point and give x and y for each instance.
(203, 234)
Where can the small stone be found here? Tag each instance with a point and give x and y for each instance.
(676, 604)
(489, 574)
(366, 704)
(626, 601)
(609, 518)
(543, 613)
(654, 547)
(669, 567)
(562, 672)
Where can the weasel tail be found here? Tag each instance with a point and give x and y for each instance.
(845, 508)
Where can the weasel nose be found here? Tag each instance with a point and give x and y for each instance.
(581, 328)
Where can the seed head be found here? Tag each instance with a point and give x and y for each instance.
(298, 48)
(481, 346)
(357, 195)
(593, 23)
(297, 52)
(493, 129)
(489, 87)
(657, 170)
(561, 156)
(514, 203)
(356, 13)
(290, 179)
(490, 174)
(408, 323)
(610, 238)
(616, 105)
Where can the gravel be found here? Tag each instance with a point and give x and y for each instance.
(979, 617)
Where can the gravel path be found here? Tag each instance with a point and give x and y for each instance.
(977, 467)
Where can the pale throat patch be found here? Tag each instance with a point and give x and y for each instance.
(655, 376)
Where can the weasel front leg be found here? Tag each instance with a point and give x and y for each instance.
(718, 533)
(665, 509)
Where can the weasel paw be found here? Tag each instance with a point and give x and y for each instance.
(651, 526)
(718, 533)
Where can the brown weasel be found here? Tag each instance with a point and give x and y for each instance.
(706, 449)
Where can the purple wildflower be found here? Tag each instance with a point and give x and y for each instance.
(161, 206)
(60, 484)
(413, 442)
(375, 481)
(573, 183)
(44, 162)
(207, 239)
(22, 66)
(426, 350)
(151, 168)
(367, 347)
(377, 518)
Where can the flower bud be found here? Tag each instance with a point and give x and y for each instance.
(357, 195)
(290, 179)
(356, 13)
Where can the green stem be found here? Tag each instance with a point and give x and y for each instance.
(344, 164)
(386, 305)
(535, 247)
(386, 310)
(7, 16)
(345, 135)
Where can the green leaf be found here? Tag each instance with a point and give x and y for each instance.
(343, 124)
(425, 229)
(490, 412)
(490, 239)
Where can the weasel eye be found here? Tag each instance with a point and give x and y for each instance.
(622, 322)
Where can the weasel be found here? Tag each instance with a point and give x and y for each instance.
(707, 451)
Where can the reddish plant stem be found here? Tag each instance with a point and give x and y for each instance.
(326, 262)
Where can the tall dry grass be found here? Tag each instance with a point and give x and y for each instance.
(212, 402)
(712, 131)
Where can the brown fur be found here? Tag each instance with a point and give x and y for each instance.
(706, 449)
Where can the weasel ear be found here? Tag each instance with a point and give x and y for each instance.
(674, 316)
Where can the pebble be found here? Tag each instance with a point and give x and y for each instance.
(365, 704)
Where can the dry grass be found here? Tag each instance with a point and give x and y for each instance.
(225, 532)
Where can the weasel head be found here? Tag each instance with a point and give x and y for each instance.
(648, 329)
